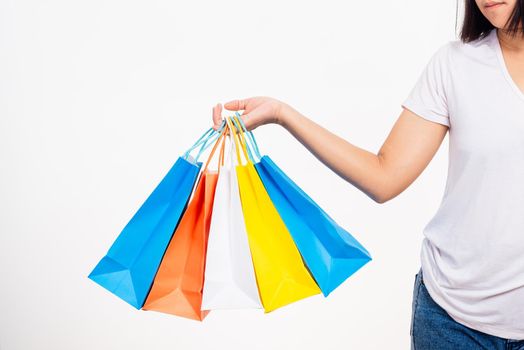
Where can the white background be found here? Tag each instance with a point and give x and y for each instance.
(99, 98)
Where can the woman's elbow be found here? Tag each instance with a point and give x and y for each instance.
(379, 198)
(384, 191)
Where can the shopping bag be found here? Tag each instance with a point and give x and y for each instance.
(229, 281)
(331, 253)
(281, 275)
(177, 287)
(128, 268)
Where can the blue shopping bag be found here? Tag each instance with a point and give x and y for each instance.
(331, 253)
(130, 265)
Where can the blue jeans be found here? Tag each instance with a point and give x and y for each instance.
(432, 328)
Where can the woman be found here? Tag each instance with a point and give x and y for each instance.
(469, 291)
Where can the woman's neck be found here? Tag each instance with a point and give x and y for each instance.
(511, 43)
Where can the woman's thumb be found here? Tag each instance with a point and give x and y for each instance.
(235, 105)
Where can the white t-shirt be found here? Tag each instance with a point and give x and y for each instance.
(472, 254)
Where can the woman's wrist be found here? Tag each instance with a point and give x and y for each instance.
(284, 114)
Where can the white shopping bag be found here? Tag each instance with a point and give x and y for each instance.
(229, 281)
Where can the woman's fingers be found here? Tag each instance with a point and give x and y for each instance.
(245, 120)
(250, 120)
(217, 116)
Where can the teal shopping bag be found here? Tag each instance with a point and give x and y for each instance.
(331, 253)
(130, 265)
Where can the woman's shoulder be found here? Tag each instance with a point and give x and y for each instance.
(456, 52)
(478, 50)
(457, 57)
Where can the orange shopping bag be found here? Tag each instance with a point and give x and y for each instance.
(177, 287)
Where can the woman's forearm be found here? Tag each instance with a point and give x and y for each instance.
(358, 166)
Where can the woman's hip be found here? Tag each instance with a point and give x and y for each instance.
(433, 328)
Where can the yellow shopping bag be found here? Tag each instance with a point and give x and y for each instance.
(281, 275)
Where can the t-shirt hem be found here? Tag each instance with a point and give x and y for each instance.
(426, 113)
(494, 331)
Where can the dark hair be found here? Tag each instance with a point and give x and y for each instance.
(476, 25)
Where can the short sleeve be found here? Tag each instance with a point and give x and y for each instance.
(427, 98)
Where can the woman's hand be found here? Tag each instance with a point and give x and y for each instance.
(258, 110)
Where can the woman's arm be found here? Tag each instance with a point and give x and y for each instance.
(407, 150)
